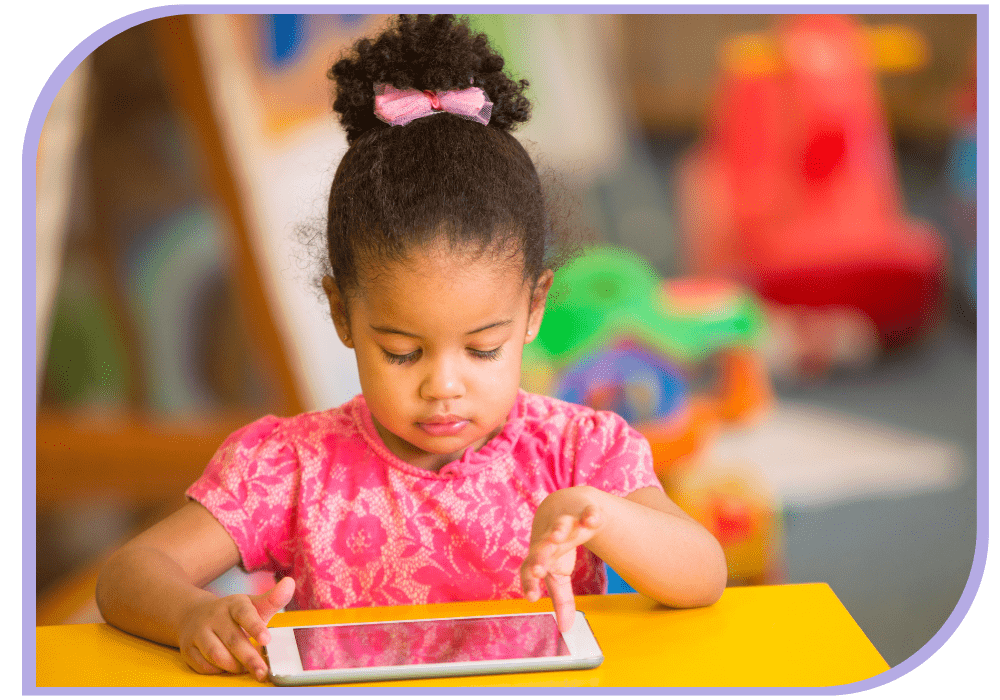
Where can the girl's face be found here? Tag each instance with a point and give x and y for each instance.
(438, 341)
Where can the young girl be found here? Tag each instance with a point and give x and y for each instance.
(443, 481)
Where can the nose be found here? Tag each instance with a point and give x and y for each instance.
(443, 380)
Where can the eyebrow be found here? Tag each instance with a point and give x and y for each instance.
(396, 331)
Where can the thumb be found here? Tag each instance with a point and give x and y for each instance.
(275, 599)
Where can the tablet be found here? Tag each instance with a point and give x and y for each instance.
(429, 648)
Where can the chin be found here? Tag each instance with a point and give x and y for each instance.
(443, 446)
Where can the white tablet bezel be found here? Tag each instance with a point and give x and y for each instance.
(286, 666)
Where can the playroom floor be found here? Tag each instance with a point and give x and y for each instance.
(898, 565)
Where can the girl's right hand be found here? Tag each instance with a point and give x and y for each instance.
(215, 635)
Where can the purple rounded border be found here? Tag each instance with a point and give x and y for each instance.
(29, 407)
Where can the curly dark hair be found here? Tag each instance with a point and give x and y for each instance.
(401, 186)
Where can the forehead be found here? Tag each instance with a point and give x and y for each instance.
(441, 286)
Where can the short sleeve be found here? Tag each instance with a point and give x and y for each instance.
(251, 487)
(611, 455)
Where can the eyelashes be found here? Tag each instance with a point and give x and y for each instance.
(400, 359)
(493, 354)
(391, 358)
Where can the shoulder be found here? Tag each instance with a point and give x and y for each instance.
(272, 434)
(539, 411)
(572, 430)
(272, 453)
(536, 408)
(587, 446)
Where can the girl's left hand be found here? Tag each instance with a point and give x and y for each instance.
(565, 520)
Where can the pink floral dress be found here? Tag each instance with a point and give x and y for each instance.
(319, 497)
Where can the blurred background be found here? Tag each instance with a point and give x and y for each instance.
(780, 294)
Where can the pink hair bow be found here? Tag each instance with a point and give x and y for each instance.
(399, 107)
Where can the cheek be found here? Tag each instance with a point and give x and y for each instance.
(375, 373)
(506, 372)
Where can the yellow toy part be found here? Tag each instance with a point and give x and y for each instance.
(734, 502)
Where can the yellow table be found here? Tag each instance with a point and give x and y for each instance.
(766, 636)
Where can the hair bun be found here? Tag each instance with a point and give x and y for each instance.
(426, 52)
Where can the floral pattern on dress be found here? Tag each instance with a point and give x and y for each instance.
(320, 498)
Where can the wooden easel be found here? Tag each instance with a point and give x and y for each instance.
(131, 454)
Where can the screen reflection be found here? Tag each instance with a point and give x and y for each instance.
(429, 641)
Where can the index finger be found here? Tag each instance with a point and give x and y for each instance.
(249, 621)
(247, 617)
(561, 592)
(246, 654)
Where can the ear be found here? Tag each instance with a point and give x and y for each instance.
(537, 309)
(338, 311)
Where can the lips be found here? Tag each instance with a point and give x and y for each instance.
(443, 426)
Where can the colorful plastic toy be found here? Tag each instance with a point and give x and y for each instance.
(792, 191)
(616, 337)
(737, 506)
(637, 385)
(741, 394)
(611, 297)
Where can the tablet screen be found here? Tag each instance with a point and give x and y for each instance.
(429, 641)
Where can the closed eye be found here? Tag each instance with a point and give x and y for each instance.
(400, 359)
(392, 358)
(493, 354)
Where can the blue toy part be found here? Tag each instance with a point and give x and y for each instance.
(961, 184)
(616, 584)
(961, 166)
(637, 385)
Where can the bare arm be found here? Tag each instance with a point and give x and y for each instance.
(146, 586)
(151, 587)
(659, 549)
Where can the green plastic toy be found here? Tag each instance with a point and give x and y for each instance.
(609, 297)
